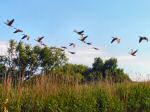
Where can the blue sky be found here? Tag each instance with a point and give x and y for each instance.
(101, 19)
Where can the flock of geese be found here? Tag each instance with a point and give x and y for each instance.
(83, 38)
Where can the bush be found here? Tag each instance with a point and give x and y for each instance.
(117, 105)
(49, 95)
(139, 99)
(103, 101)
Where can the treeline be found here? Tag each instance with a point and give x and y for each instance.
(24, 61)
(101, 70)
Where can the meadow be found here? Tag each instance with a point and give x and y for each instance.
(54, 93)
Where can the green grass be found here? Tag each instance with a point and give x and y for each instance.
(53, 94)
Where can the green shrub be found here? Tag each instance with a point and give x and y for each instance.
(70, 101)
(117, 105)
(139, 99)
(48, 96)
(103, 101)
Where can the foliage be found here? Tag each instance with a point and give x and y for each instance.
(23, 59)
(107, 70)
(100, 70)
(48, 95)
(139, 99)
(78, 71)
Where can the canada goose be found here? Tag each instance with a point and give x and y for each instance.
(115, 39)
(142, 38)
(89, 43)
(71, 52)
(133, 52)
(83, 38)
(40, 39)
(25, 36)
(17, 30)
(79, 32)
(72, 44)
(96, 48)
(63, 47)
(43, 44)
(10, 22)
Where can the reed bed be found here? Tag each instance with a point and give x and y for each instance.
(55, 93)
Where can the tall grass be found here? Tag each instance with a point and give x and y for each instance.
(55, 93)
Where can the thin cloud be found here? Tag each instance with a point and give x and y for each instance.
(85, 55)
(3, 48)
(135, 67)
(138, 69)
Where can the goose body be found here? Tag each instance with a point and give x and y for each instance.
(133, 52)
(115, 39)
(17, 30)
(72, 44)
(10, 22)
(143, 38)
(79, 32)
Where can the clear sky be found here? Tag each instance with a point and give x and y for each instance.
(101, 19)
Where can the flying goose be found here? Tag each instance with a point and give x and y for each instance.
(25, 36)
(141, 38)
(10, 22)
(83, 38)
(72, 44)
(133, 52)
(89, 43)
(79, 32)
(96, 48)
(115, 39)
(63, 47)
(71, 52)
(43, 44)
(40, 39)
(17, 30)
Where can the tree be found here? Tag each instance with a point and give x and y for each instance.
(98, 64)
(23, 58)
(97, 69)
(51, 58)
(107, 70)
(77, 71)
(120, 76)
(2, 71)
(109, 66)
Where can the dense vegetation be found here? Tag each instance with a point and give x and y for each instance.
(24, 60)
(63, 94)
(35, 79)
